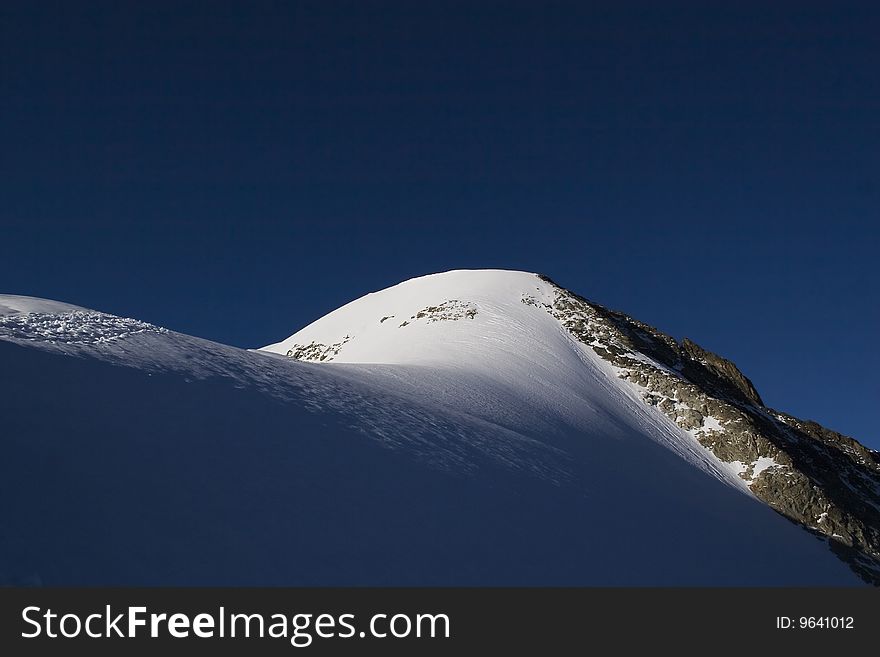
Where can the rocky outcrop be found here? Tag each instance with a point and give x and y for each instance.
(317, 351)
(720, 370)
(451, 310)
(826, 482)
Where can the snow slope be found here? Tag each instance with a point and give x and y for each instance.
(483, 447)
(494, 351)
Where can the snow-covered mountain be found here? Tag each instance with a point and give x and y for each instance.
(471, 427)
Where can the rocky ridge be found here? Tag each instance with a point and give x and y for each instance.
(822, 480)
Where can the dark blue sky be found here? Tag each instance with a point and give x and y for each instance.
(235, 171)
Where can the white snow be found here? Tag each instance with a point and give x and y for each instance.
(501, 317)
(740, 469)
(711, 423)
(763, 463)
(737, 467)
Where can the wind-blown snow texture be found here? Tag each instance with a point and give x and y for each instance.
(459, 435)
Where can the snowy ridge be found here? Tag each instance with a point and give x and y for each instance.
(441, 439)
(13, 304)
(504, 338)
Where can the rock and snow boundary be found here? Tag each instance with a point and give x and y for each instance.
(593, 447)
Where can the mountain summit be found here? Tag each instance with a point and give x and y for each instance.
(542, 342)
(470, 427)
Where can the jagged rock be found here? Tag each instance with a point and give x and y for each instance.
(722, 370)
(447, 311)
(826, 482)
(316, 351)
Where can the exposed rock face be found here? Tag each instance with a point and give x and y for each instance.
(317, 351)
(824, 481)
(722, 371)
(451, 310)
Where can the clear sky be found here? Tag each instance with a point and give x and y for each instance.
(236, 170)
